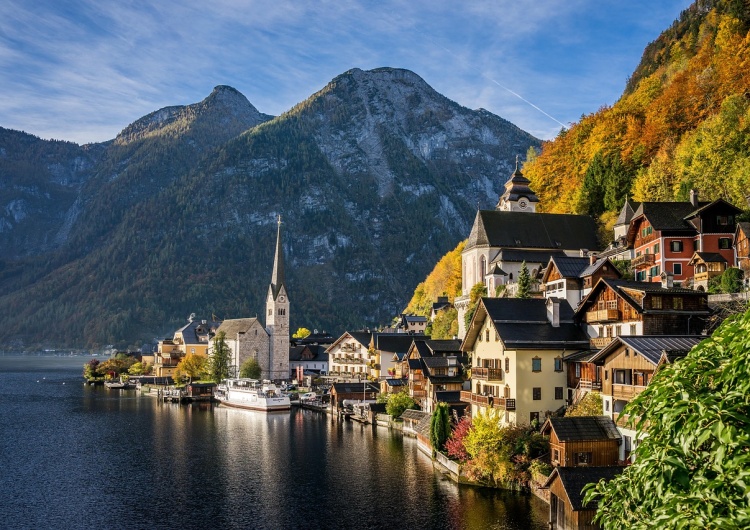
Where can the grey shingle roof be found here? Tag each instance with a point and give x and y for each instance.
(394, 342)
(668, 215)
(709, 257)
(532, 230)
(542, 336)
(523, 310)
(236, 325)
(353, 388)
(574, 479)
(570, 267)
(626, 212)
(652, 347)
(582, 428)
(591, 269)
(414, 415)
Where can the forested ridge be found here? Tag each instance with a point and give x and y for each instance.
(682, 122)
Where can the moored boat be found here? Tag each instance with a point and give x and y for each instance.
(252, 394)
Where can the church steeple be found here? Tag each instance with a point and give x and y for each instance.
(277, 277)
(518, 196)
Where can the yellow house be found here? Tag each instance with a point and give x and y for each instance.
(192, 338)
(516, 348)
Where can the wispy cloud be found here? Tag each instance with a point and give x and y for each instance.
(82, 70)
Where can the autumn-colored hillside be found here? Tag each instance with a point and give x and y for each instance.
(683, 122)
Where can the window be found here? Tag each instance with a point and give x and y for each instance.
(507, 364)
(558, 392)
(696, 245)
(582, 459)
(487, 335)
(656, 302)
(536, 364)
(606, 405)
(633, 329)
(537, 393)
(578, 369)
(558, 364)
(676, 303)
(556, 455)
(676, 246)
(677, 269)
(721, 220)
(534, 417)
(192, 350)
(656, 248)
(725, 243)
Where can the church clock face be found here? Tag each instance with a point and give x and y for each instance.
(281, 298)
(523, 204)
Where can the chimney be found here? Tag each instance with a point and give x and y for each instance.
(667, 280)
(592, 259)
(553, 312)
(694, 197)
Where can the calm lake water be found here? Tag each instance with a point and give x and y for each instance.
(74, 456)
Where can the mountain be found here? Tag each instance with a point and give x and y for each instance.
(682, 122)
(375, 177)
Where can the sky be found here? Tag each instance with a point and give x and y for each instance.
(82, 70)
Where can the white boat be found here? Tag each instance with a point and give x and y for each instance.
(252, 394)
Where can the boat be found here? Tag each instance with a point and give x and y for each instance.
(252, 394)
(119, 384)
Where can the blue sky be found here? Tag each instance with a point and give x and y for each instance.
(82, 70)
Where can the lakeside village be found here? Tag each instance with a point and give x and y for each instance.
(533, 392)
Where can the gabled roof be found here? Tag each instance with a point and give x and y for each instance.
(707, 257)
(707, 206)
(569, 267)
(667, 215)
(231, 327)
(573, 480)
(744, 227)
(414, 415)
(621, 288)
(651, 347)
(363, 337)
(523, 324)
(598, 264)
(582, 428)
(394, 342)
(528, 230)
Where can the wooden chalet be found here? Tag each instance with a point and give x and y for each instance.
(706, 265)
(573, 278)
(566, 508)
(628, 364)
(625, 308)
(583, 441)
(435, 372)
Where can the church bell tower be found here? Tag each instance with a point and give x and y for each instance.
(277, 317)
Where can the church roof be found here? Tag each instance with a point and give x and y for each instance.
(232, 327)
(527, 230)
(626, 212)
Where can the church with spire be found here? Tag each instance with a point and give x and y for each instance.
(269, 344)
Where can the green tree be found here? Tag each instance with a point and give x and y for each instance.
(90, 369)
(440, 427)
(692, 466)
(590, 405)
(398, 403)
(478, 291)
(251, 368)
(731, 280)
(445, 325)
(218, 365)
(137, 368)
(301, 333)
(524, 282)
(190, 367)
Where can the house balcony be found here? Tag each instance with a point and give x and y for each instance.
(626, 392)
(621, 419)
(487, 374)
(588, 384)
(600, 342)
(484, 401)
(419, 394)
(603, 315)
(644, 260)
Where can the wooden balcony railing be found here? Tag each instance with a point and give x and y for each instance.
(626, 391)
(603, 315)
(487, 374)
(588, 384)
(484, 401)
(643, 260)
(600, 342)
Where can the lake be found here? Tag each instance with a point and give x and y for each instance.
(75, 456)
